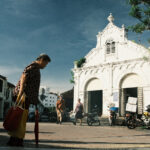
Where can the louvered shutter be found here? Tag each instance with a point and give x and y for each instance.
(86, 101)
(140, 100)
(122, 102)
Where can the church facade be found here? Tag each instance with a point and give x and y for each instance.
(114, 70)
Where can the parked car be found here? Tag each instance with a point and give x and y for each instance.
(53, 116)
(66, 116)
(44, 118)
(31, 116)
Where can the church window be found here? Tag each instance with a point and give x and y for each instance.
(113, 47)
(110, 46)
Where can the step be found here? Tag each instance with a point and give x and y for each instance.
(105, 122)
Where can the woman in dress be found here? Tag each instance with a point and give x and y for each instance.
(78, 111)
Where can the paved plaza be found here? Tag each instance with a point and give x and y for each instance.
(68, 136)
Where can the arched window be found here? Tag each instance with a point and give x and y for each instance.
(113, 47)
(110, 46)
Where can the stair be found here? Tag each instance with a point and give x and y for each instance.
(105, 122)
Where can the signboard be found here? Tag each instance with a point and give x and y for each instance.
(131, 107)
(116, 96)
(132, 100)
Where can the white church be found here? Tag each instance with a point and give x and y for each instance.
(114, 70)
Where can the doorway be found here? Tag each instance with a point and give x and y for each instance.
(95, 98)
(129, 92)
(125, 94)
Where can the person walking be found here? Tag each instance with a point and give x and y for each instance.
(60, 108)
(29, 84)
(79, 112)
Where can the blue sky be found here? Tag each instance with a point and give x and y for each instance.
(64, 29)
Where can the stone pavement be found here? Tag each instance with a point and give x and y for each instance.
(68, 136)
(16, 148)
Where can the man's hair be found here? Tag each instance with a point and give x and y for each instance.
(45, 57)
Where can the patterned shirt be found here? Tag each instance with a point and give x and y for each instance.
(32, 84)
(60, 104)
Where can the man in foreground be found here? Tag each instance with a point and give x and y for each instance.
(28, 85)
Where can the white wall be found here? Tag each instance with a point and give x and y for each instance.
(111, 69)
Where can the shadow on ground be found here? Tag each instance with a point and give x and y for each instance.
(67, 144)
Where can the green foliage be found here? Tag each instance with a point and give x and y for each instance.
(146, 58)
(140, 9)
(81, 62)
(138, 28)
(72, 80)
(79, 65)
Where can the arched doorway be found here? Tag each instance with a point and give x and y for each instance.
(93, 95)
(131, 85)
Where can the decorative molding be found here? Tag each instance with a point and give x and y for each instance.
(105, 65)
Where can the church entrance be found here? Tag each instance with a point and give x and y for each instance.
(95, 100)
(131, 86)
(130, 92)
(93, 96)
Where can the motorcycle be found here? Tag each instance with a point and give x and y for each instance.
(113, 115)
(130, 120)
(133, 120)
(93, 118)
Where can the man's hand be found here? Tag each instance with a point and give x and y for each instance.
(22, 84)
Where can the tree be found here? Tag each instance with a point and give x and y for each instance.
(140, 9)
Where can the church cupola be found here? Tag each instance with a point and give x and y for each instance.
(110, 18)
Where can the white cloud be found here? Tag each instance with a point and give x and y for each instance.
(57, 86)
(13, 74)
(9, 70)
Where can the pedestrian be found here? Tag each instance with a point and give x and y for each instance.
(79, 112)
(60, 108)
(29, 84)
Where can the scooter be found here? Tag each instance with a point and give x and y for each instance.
(93, 118)
(112, 118)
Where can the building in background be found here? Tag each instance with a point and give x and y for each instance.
(114, 70)
(68, 97)
(6, 90)
(47, 98)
